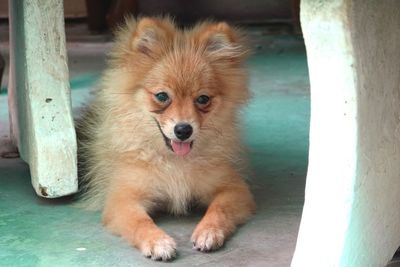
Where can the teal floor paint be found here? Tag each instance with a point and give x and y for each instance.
(84, 81)
(38, 232)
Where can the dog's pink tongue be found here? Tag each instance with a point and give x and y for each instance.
(181, 148)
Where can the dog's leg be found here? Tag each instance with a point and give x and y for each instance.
(125, 214)
(232, 205)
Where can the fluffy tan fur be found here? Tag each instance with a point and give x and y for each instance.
(126, 167)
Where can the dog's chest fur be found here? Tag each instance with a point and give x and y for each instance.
(180, 185)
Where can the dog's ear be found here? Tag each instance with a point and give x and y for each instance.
(153, 36)
(222, 42)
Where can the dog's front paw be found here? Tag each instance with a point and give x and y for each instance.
(159, 248)
(207, 238)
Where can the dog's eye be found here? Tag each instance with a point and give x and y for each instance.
(203, 100)
(162, 97)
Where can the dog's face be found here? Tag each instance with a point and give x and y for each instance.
(192, 81)
(181, 95)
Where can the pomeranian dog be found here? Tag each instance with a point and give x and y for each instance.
(161, 133)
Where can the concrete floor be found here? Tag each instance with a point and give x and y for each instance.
(40, 232)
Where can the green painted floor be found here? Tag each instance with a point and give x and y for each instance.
(39, 232)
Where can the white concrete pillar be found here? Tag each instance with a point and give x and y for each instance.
(39, 96)
(351, 215)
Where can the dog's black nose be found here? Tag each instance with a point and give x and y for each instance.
(183, 131)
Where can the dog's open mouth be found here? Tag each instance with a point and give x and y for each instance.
(179, 148)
